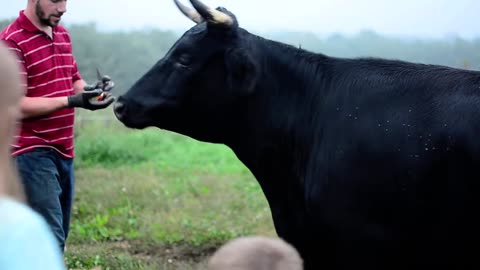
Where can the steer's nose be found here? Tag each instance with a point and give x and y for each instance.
(119, 109)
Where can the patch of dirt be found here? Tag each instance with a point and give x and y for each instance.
(178, 252)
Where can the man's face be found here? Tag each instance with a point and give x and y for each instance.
(49, 12)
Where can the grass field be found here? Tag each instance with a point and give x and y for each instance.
(151, 199)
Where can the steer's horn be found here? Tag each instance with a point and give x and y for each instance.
(189, 12)
(213, 16)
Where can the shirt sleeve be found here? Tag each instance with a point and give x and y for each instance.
(15, 49)
(76, 73)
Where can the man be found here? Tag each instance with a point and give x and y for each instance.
(44, 149)
(23, 232)
(256, 253)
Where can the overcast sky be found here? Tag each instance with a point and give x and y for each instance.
(412, 18)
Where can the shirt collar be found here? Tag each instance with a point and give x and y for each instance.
(26, 24)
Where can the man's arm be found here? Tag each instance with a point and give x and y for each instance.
(37, 107)
(40, 106)
(31, 107)
(79, 86)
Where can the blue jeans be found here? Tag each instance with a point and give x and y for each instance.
(48, 181)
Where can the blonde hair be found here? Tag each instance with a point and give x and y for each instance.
(10, 93)
(256, 253)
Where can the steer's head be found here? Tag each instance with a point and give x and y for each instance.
(196, 88)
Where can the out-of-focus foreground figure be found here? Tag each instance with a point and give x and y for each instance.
(26, 240)
(256, 253)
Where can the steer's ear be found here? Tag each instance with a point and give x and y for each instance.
(242, 71)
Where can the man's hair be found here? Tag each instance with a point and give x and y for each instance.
(256, 253)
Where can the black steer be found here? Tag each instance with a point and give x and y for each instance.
(364, 162)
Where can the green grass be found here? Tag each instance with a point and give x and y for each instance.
(152, 199)
(112, 145)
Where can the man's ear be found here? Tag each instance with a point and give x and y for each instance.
(242, 71)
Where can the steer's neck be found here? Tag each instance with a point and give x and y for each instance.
(292, 80)
(290, 88)
(294, 71)
(278, 126)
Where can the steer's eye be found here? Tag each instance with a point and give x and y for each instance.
(184, 60)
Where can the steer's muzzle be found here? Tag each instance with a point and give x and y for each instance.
(131, 114)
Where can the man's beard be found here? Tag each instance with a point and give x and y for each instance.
(44, 20)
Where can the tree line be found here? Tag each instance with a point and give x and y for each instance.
(126, 55)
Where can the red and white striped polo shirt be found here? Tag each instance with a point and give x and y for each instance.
(49, 70)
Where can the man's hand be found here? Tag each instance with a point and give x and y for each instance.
(105, 83)
(91, 100)
(95, 96)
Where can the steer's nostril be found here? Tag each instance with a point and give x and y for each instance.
(119, 109)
